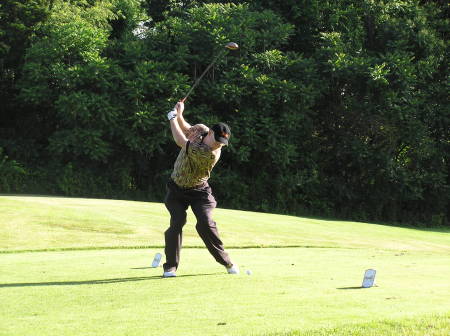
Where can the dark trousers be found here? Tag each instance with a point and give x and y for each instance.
(202, 203)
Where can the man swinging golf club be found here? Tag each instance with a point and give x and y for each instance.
(188, 186)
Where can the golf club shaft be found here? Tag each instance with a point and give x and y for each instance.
(203, 74)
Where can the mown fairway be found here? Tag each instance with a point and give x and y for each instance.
(60, 276)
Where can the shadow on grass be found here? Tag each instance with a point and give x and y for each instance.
(357, 287)
(139, 268)
(95, 282)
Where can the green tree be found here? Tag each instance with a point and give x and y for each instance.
(376, 129)
(18, 21)
(337, 108)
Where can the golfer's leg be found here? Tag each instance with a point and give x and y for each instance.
(206, 227)
(174, 234)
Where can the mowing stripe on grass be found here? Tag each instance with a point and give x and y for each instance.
(93, 248)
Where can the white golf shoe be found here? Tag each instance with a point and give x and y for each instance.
(233, 269)
(170, 274)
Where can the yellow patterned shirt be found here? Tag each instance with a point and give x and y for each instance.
(194, 162)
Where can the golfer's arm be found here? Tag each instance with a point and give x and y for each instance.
(184, 126)
(177, 133)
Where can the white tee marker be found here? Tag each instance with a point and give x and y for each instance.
(156, 260)
(369, 278)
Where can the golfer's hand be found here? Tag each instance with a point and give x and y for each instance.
(179, 107)
(172, 114)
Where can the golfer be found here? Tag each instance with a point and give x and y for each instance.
(188, 186)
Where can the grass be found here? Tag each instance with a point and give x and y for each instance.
(312, 288)
(429, 326)
(40, 223)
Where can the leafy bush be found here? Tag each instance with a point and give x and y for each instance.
(337, 108)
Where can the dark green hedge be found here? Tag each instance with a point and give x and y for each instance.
(337, 108)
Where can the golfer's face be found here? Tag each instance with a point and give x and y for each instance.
(211, 140)
(215, 141)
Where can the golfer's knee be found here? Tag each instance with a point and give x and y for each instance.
(205, 224)
(178, 219)
(176, 225)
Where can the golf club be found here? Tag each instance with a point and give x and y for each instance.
(228, 46)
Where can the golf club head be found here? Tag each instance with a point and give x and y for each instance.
(231, 46)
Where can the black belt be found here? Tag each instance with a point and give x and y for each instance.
(199, 186)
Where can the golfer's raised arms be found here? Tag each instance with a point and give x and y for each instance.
(183, 124)
(177, 132)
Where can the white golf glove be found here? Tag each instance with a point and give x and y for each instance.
(172, 114)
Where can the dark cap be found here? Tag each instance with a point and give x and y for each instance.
(222, 133)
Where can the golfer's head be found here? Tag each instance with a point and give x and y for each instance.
(222, 133)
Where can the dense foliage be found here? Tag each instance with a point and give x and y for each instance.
(337, 108)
